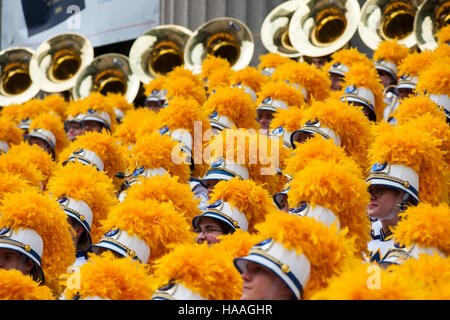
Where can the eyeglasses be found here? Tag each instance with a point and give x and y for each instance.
(379, 191)
(72, 125)
(208, 230)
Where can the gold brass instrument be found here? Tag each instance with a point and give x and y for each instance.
(58, 61)
(158, 51)
(275, 29)
(431, 16)
(224, 37)
(388, 20)
(16, 84)
(108, 72)
(319, 28)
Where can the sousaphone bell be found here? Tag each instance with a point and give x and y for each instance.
(158, 51)
(16, 85)
(431, 16)
(275, 29)
(388, 20)
(225, 37)
(319, 28)
(57, 62)
(107, 73)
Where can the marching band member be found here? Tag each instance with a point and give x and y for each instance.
(183, 274)
(47, 131)
(333, 192)
(387, 57)
(35, 156)
(183, 118)
(336, 120)
(72, 119)
(417, 235)
(340, 63)
(295, 259)
(120, 104)
(313, 83)
(120, 279)
(35, 227)
(216, 73)
(364, 90)
(276, 96)
(134, 124)
(249, 79)
(30, 172)
(164, 188)
(157, 153)
(99, 150)
(22, 114)
(284, 123)
(86, 196)
(269, 62)
(156, 94)
(408, 71)
(239, 204)
(430, 272)
(434, 82)
(425, 114)
(144, 230)
(407, 164)
(229, 108)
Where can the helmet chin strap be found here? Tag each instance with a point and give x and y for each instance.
(404, 204)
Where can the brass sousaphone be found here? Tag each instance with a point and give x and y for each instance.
(57, 62)
(158, 51)
(431, 16)
(225, 37)
(16, 85)
(107, 73)
(275, 29)
(388, 20)
(320, 28)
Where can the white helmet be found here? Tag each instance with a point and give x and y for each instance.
(27, 242)
(86, 157)
(224, 212)
(120, 242)
(396, 176)
(293, 268)
(82, 213)
(315, 127)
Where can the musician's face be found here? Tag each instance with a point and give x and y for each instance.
(41, 143)
(283, 202)
(385, 78)
(336, 81)
(265, 118)
(260, 283)
(74, 129)
(319, 62)
(367, 112)
(382, 201)
(155, 105)
(13, 260)
(91, 125)
(404, 93)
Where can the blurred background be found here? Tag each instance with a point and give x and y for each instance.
(113, 25)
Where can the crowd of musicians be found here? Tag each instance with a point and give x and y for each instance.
(287, 180)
